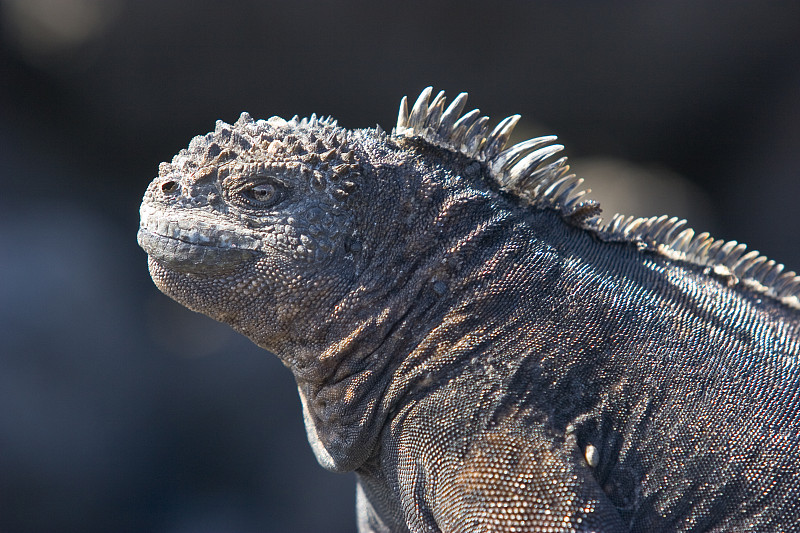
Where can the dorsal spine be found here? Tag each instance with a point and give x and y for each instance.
(524, 170)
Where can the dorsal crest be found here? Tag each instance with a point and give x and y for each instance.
(526, 171)
(523, 169)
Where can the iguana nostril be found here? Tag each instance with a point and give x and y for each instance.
(169, 187)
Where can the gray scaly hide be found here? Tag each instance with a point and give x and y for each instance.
(473, 340)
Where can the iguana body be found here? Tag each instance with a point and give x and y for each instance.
(472, 340)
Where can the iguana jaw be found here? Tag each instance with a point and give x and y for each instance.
(187, 244)
(187, 257)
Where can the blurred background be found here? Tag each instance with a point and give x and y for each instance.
(122, 411)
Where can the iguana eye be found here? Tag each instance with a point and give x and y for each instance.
(263, 194)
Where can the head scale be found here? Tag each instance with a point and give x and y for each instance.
(317, 148)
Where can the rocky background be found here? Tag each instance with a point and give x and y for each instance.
(120, 410)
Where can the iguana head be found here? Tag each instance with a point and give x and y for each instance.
(251, 224)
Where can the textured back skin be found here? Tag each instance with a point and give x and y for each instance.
(687, 390)
(479, 350)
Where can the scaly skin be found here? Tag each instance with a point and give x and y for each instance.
(483, 362)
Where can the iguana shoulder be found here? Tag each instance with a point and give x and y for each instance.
(471, 338)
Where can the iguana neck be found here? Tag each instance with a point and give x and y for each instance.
(392, 317)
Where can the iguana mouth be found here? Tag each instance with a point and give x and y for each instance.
(196, 249)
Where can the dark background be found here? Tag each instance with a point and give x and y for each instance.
(120, 410)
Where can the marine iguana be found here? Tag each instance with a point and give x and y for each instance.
(471, 338)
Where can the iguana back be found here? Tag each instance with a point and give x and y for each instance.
(470, 337)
